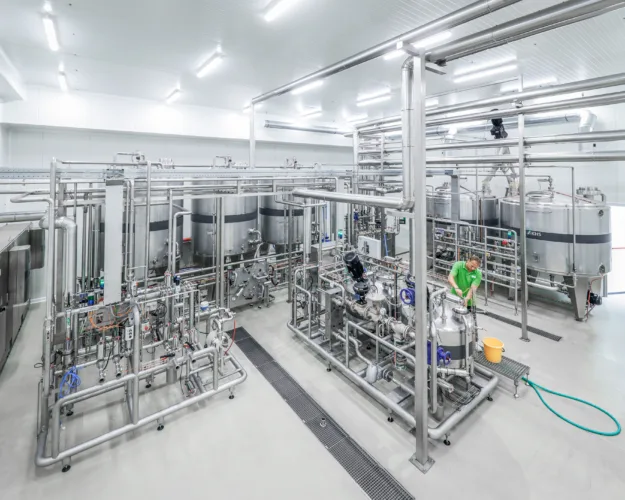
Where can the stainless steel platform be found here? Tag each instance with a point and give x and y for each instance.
(508, 368)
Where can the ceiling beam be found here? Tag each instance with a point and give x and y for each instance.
(12, 86)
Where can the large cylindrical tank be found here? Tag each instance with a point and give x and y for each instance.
(549, 223)
(274, 223)
(240, 214)
(485, 212)
(159, 236)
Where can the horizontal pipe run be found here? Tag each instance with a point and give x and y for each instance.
(374, 201)
(461, 16)
(42, 461)
(455, 418)
(556, 16)
(579, 102)
(353, 377)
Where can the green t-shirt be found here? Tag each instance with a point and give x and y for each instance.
(465, 279)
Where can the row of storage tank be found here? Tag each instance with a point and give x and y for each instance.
(550, 219)
(240, 216)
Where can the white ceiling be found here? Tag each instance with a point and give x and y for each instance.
(145, 48)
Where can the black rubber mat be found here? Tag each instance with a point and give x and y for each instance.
(374, 479)
(530, 329)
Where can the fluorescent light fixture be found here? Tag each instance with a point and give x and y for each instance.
(373, 95)
(432, 40)
(47, 7)
(211, 63)
(358, 118)
(63, 81)
(479, 67)
(485, 73)
(514, 86)
(173, 97)
(375, 100)
(432, 102)
(278, 8)
(50, 29)
(311, 113)
(61, 67)
(393, 134)
(307, 87)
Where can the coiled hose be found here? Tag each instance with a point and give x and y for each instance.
(537, 388)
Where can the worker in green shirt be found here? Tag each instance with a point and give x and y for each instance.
(464, 279)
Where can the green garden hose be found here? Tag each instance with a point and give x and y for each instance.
(539, 388)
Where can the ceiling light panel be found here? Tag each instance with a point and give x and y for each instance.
(173, 97)
(482, 66)
(309, 86)
(278, 8)
(530, 84)
(50, 30)
(373, 95)
(211, 63)
(375, 100)
(63, 81)
(483, 74)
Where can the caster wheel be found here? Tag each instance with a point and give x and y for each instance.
(489, 398)
(447, 442)
(160, 427)
(231, 396)
(390, 419)
(147, 386)
(328, 369)
(66, 468)
(69, 413)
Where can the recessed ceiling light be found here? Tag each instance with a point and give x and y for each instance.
(278, 8)
(479, 67)
(309, 86)
(374, 100)
(63, 81)
(514, 86)
(50, 29)
(47, 6)
(372, 95)
(211, 63)
(173, 97)
(311, 113)
(485, 73)
(358, 118)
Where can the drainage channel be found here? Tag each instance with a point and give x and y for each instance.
(374, 479)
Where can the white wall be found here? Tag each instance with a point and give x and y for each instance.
(4, 146)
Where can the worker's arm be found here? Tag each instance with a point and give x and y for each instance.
(452, 281)
(474, 286)
(470, 294)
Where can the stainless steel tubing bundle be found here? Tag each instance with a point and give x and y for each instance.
(461, 16)
(554, 17)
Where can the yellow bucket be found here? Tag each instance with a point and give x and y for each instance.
(493, 348)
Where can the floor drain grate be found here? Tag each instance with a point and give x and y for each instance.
(530, 329)
(374, 479)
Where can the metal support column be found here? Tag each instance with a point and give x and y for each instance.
(252, 136)
(455, 197)
(523, 229)
(418, 259)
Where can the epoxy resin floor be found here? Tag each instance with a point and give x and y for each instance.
(255, 447)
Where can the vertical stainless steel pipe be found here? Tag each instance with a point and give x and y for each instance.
(252, 136)
(418, 259)
(148, 200)
(523, 229)
(406, 114)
